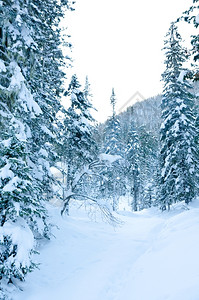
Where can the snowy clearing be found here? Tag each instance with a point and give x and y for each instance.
(152, 256)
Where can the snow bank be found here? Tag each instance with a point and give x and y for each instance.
(153, 256)
(169, 269)
(22, 237)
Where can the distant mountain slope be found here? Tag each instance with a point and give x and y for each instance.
(146, 113)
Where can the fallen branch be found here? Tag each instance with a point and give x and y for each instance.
(106, 213)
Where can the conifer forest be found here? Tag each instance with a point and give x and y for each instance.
(70, 185)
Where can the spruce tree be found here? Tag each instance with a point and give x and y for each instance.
(21, 210)
(178, 156)
(191, 16)
(148, 164)
(78, 145)
(87, 90)
(114, 185)
(132, 165)
(113, 143)
(30, 88)
(46, 77)
(79, 126)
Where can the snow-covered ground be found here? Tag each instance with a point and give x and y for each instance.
(152, 256)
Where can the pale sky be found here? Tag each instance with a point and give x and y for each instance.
(118, 44)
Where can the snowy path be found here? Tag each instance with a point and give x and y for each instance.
(92, 261)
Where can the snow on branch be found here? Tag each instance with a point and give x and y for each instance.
(47, 131)
(92, 169)
(182, 75)
(19, 257)
(103, 208)
(109, 158)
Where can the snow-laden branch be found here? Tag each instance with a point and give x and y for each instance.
(92, 169)
(106, 213)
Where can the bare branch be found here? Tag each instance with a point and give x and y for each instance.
(106, 213)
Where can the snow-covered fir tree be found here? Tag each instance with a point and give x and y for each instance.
(114, 186)
(113, 143)
(148, 164)
(80, 142)
(46, 79)
(87, 90)
(178, 156)
(21, 211)
(79, 147)
(30, 87)
(132, 165)
(191, 16)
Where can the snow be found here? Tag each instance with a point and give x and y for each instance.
(197, 19)
(19, 20)
(22, 237)
(108, 157)
(17, 208)
(5, 172)
(189, 158)
(6, 143)
(184, 119)
(3, 114)
(12, 184)
(85, 121)
(28, 101)
(25, 33)
(21, 130)
(73, 97)
(82, 125)
(17, 77)
(191, 170)
(43, 152)
(18, 82)
(165, 122)
(2, 66)
(182, 75)
(175, 128)
(47, 131)
(152, 256)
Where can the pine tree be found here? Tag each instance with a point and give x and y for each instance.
(178, 152)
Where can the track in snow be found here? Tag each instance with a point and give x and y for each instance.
(90, 261)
